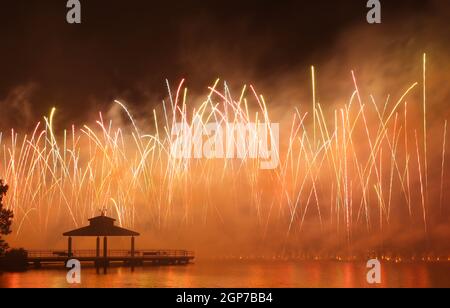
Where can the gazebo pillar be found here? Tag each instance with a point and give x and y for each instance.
(97, 254)
(105, 254)
(132, 252)
(69, 247)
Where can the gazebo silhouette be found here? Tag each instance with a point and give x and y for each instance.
(101, 226)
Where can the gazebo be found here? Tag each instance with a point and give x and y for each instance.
(101, 226)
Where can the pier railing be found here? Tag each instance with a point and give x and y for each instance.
(36, 254)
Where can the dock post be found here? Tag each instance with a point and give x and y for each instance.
(105, 254)
(69, 247)
(97, 255)
(132, 253)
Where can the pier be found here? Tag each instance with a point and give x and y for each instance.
(121, 257)
(103, 227)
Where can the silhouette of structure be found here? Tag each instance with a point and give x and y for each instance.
(101, 226)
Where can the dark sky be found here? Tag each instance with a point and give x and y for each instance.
(126, 49)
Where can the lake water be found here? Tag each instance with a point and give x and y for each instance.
(227, 274)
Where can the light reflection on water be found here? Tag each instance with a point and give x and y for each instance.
(227, 274)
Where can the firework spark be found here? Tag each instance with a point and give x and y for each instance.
(340, 174)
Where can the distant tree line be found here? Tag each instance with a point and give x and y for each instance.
(6, 217)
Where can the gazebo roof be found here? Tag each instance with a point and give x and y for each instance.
(101, 226)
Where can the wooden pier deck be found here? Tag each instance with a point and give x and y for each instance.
(125, 257)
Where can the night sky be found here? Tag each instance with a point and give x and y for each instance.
(126, 49)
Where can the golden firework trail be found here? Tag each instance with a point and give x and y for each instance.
(350, 171)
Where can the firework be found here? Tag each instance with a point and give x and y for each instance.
(340, 174)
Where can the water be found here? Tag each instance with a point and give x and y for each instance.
(270, 274)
